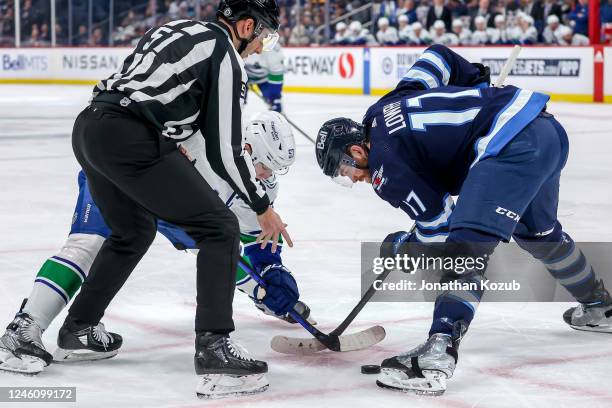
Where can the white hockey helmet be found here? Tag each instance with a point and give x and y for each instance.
(355, 27)
(271, 140)
(383, 22)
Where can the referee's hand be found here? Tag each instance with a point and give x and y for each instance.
(272, 227)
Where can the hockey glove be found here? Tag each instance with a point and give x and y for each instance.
(281, 292)
(484, 77)
(393, 243)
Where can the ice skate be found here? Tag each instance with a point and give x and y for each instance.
(594, 316)
(21, 347)
(423, 370)
(225, 368)
(301, 307)
(85, 342)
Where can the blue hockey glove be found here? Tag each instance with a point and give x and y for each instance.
(392, 244)
(281, 292)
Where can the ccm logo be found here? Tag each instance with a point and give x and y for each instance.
(510, 214)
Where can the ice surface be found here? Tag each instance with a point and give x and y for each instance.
(515, 355)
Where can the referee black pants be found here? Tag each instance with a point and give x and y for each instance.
(136, 176)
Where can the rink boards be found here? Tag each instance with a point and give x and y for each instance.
(573, 74)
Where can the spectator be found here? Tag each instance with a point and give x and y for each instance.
(386, 34)
(550, 32)
(483, 10)
(439, 12)
(579, 16)
(548, 8)
(464, 35)
(82, 36)
(97, 37)
(566, 36)
(7, 26)
(28, 18)
(458, 9)
(480, 36)
(529, 34)
(208, 13)
(45, 34)
(419, 35)
(408, 9)
(340, 38)
(33, 40)
(440, 36)
(404, 29)
(499, 35)
(173, 9)
(299, 34)
(388, 9)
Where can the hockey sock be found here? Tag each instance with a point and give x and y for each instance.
(565, 262)
(60, 278)
(456, 305)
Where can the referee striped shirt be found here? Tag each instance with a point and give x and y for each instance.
(184, 77)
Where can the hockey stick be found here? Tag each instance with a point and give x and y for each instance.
(356, 341)
(290, 345)
(334, 342)
(296, 127)
(508, 66)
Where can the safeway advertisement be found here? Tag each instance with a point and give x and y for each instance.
(324, 67)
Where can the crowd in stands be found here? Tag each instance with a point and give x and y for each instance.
(479, 22)
(386, 22)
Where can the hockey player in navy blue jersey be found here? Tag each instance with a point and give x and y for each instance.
(443, 131)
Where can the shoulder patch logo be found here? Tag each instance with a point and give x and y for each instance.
(378, 181)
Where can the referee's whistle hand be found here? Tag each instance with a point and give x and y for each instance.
(272, 227)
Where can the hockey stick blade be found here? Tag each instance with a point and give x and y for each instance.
(348, 342)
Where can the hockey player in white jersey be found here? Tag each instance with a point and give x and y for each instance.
(566, 36)
(529, 34)
(386, 34)
(404, 30)
(418, 35)
(499, 34)
(269, 142)
(463, 34)
(266, 70)
(480, 36)
(440, 36)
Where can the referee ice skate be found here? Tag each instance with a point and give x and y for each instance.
(183, 77)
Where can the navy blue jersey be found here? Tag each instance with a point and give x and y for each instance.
(427, 133)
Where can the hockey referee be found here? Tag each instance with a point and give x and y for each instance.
(184, 79)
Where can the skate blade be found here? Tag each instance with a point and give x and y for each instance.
(24, 365)
(596, 329)
(217, 386)
(434, 383)
(73, 356)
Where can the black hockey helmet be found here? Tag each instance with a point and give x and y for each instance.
(265, 13)
(333, 141)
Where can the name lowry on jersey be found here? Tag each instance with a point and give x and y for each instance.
(394, 118)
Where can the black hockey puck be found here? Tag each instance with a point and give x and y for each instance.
(370, 369)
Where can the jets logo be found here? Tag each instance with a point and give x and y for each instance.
(378, 181)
